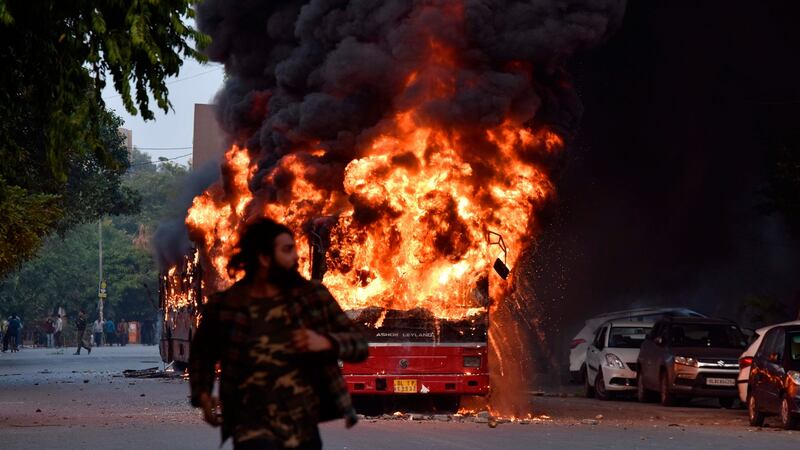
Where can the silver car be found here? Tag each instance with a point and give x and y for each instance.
(611, 358)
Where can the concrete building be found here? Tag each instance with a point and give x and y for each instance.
(128, 136)
(208, 142)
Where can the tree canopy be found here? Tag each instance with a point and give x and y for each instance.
(62, 156)
(65, 270)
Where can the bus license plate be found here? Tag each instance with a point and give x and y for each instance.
(405, 386)
(720, 382)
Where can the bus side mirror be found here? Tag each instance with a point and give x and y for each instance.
(501, 269)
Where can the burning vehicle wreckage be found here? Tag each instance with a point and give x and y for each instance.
(411, 351)
(405, 143)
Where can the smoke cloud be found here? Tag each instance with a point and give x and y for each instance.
(326, 73)
(171, 239)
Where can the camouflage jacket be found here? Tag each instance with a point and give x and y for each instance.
(266, 389)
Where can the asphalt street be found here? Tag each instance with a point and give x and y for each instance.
(57, 400)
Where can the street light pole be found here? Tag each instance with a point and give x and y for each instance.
(100, 284)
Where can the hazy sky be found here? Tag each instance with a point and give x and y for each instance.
(170, 134)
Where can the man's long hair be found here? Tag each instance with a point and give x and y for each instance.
(258, 238)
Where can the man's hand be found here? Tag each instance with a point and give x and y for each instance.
(210, 406)
(306, 340)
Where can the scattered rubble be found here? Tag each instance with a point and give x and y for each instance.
(151, 372)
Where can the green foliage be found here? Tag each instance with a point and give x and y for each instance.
(58, 143)
(65, 271)
(157, 185)
(26, 218)
(34, 204)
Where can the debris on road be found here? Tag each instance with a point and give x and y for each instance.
(152, 372)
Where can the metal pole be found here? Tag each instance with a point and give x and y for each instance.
(100, 281)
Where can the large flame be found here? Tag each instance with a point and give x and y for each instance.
(413, 213)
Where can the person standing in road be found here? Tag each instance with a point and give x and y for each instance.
(4, 333)
(277, 337)
(122, 332)
(110, 330)
(58, 330)
(97, 332)
(49, 329)
(80, 326)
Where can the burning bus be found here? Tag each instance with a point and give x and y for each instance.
(397, 143)
(412, 351)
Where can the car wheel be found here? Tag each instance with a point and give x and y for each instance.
(587, 385)
(756, 417)
(667, 397)
(726, 402)
(642, 394)
(788, 420)
(600, 387)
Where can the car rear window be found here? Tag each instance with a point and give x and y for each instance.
(794, 349)
(707, 335)
(627, 337)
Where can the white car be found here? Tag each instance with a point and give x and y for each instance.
(611, 358)
(746, 360)
(579, 344)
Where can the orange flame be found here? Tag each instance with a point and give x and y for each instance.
(414, 209)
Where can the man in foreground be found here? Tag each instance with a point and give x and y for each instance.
(277, 337)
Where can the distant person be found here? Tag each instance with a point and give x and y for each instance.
(11, 338)
(277, 337)
(57, 336)
(110, 330)
(49, 330)
(80, 327)
(122, 332)
(97, 332)
(4, 331)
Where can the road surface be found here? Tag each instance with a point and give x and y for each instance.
(56, 400)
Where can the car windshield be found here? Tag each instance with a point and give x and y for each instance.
(627, 337)
(707, 335)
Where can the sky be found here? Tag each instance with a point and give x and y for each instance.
(170, 134)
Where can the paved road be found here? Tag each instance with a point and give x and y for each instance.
(58, 401)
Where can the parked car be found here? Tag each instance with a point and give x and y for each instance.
(774, 385)
(746, 358)
(611, 358)
(685, 357)
(579, 344)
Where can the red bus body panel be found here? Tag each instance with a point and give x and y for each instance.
(437, 369)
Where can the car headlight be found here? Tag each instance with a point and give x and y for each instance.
(686, 361)
(613, 360)
(794, 376)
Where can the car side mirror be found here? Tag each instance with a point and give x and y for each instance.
(774, 357)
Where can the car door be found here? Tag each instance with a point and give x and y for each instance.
(593, 353)
(759, 373)
(773, 384)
